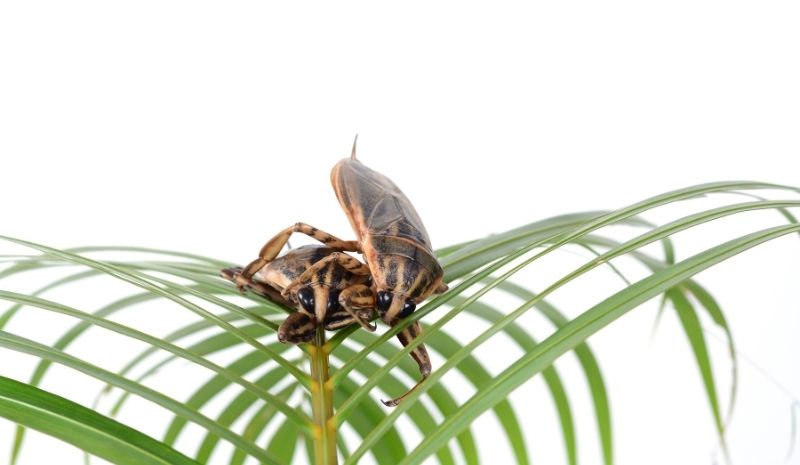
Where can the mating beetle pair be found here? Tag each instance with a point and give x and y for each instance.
(328, 287)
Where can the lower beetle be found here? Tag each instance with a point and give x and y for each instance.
(396, 248)
(303, 278)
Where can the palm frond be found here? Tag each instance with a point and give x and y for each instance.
(83, 427)
(279, 398)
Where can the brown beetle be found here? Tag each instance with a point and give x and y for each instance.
(394, 243)
(297, 279)
(391, 236)
(286, 281)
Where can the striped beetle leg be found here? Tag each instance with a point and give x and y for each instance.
(361, 296)
(273, 247)
(419, 354)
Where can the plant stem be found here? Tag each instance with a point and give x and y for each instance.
(322, 402)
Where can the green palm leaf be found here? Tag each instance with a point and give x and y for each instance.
(582, 327)
(280, 399)
(82, 427)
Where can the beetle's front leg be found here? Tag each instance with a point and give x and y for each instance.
(361, 297)
(419, 353)
(356, 301)
(299, 327)
(273, 247)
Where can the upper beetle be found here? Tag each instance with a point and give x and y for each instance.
(391, 237)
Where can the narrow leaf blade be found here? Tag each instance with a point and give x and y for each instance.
(82, 427)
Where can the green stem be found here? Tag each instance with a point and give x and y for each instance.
(324, 434)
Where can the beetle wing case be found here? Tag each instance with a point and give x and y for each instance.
(393, 239)
(374, 204)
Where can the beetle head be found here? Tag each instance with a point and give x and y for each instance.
(392, 306)
(311, 301)
(318, 300)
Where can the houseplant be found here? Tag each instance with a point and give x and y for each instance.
(278, 402)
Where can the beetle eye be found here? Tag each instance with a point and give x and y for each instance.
(408, 308)
(333, 301)
(306, 298)
(384, 300)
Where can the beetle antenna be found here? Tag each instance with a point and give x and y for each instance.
(353, 153)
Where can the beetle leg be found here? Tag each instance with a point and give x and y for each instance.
(420, 355)
(358, 300)
(298, 327)
(273, 247)
(324, 268)
(265, 291)
(340, 318)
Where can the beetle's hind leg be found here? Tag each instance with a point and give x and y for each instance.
(273, 247)
(419, 353)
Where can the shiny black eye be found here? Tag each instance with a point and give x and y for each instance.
(333, 301)
(384, 300)
(408, 308)
(306, 298)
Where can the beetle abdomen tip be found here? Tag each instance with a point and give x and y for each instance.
(353, 152)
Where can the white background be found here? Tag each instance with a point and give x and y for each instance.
(206, 127)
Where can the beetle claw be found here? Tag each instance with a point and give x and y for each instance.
(396, 401)
(364, 322)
